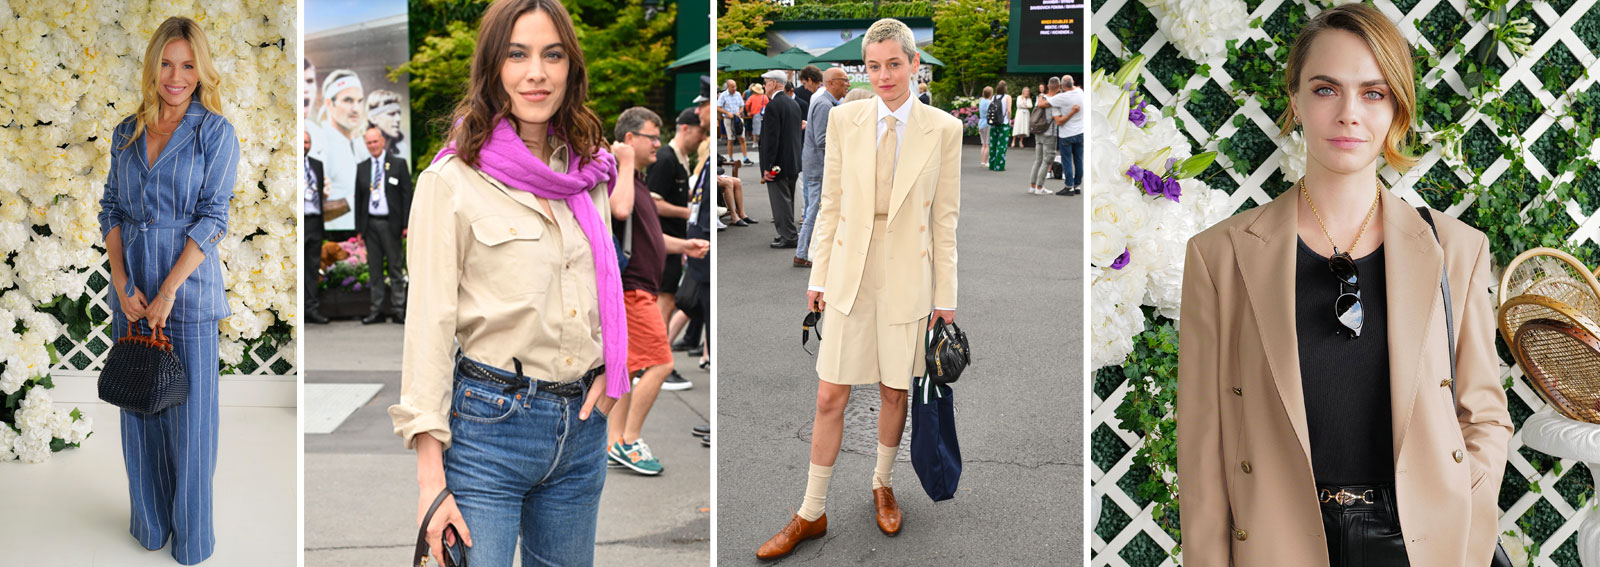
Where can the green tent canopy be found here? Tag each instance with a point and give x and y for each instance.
(794, 57)
(700, 56)
(850, 52)
(740, 58)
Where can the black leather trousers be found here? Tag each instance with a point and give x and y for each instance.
(1362, 525)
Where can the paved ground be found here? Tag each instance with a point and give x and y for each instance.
(360, 482)
(1019, 407)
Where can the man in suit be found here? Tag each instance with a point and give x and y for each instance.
(381, 217)
(884, 260)
(311, 219)
(836, 83)
(781, 139)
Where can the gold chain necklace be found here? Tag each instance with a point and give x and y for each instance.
(1364, 222)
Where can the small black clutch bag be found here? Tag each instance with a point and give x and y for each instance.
(948, 353)
(454, 554)
(143, 375)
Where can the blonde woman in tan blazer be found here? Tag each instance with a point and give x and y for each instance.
(1309, 433)
(884, 257)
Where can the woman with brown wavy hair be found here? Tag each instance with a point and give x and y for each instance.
(511, 257)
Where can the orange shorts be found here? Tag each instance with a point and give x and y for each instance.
(647, 333)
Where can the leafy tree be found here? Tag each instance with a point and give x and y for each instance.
(745, 22)
(626, 56)
(961, 38)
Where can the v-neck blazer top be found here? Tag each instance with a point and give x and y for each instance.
(1248, 495)
(183, 196)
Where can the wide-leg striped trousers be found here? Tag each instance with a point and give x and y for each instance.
(171, 456)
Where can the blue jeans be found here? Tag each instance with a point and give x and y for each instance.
(171, 456)
(811, 191)
(522, 463)
(1071, 159)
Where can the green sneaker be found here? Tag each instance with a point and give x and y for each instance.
(636, 457)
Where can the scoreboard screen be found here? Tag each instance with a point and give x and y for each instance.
(1046, 36)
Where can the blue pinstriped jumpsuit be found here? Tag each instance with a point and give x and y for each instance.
(171, 456)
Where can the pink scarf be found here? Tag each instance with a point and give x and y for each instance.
(506, 158)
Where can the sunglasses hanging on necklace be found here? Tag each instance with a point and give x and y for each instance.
(1346, 307)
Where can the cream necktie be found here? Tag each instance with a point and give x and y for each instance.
(886, 152)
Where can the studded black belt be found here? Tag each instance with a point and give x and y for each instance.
(570, 389)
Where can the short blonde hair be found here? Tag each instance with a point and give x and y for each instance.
(891, 29)
(173, 29)
(1394, 62)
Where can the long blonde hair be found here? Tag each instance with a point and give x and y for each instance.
(175, 28)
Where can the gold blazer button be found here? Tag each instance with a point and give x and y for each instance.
(1245, 465)
(1445, 383)
(1238, 392)
(1240, 535)
(1459, 455)
(513, 231)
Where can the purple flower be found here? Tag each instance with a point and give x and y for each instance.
(1171, 163)
(1155, 185)
(347, 281)
(1136, 114)
(357, 287)
(1122, 261)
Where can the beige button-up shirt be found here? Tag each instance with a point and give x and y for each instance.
(492, 272)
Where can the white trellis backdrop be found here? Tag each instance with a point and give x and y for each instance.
(1552, 502)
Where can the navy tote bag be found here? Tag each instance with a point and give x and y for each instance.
(935, 451)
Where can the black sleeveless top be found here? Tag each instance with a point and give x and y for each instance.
(1345, 380)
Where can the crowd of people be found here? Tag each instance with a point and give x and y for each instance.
(1052, 114)
(786, 123)
(663, 230)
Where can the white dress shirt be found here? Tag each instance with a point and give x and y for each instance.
(378, 199)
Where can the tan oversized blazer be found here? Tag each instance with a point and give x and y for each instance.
(1244, 466)
(923, 208)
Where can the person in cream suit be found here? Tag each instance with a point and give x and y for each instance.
(1317, 425)
(884, 261)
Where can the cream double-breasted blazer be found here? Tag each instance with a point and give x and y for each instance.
(920, 239)
(1247, 494)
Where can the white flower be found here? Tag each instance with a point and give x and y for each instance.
(232, 352)
(1200, 29)
(33, 446)
(1293, 160)
(8, 441)
(1106, 243)
(79, 430)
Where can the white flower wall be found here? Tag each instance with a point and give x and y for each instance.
(69, 72)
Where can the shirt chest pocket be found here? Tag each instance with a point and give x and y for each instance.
(511, 256)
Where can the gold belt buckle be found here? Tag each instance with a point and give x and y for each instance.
(1346, 498)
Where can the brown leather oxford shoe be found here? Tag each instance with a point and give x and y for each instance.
(791, 535)
(888, 510)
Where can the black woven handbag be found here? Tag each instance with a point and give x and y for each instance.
(948, 353)
(143, 375)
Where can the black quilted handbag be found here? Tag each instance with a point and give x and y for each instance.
(948, 353)
(143, 375)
